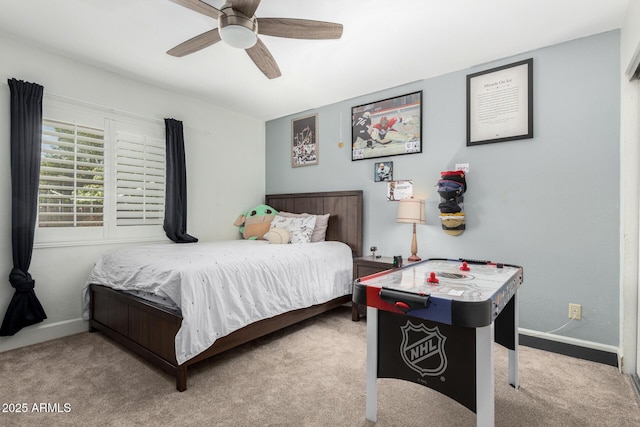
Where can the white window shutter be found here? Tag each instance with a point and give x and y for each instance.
(140, 180)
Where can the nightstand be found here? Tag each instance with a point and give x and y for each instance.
(364, 266)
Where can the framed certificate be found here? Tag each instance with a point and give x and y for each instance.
(398, 190)
(500, 104)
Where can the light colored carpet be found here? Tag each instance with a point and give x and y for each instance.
(311, 374)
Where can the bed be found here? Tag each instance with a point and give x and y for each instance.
(149, 328)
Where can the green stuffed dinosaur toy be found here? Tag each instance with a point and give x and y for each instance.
(255, 223)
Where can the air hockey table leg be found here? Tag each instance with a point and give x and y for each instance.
(485, 374)
(371, 412)
(513, 354)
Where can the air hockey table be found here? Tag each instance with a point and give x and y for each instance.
(434, 322)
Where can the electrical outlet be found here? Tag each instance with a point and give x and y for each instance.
(462, 167)
(575, 311)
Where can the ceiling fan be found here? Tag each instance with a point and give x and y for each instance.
(239, 27)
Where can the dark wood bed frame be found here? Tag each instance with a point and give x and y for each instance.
(150, 330)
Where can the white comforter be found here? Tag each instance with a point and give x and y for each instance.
(222, 286)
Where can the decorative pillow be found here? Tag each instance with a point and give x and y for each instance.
(319, 230)
(278, 235)
(300, 229)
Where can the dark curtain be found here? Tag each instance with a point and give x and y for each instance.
(26, 139)
(175, 205)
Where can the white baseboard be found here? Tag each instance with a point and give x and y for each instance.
(572, 341)
(36, 334)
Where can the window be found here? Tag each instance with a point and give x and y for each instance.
(71, 192)
(102, 176)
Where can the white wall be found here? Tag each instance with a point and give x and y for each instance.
(225, 158)
(629, 187)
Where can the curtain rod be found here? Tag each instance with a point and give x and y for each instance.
(57, 96)
(156, 120)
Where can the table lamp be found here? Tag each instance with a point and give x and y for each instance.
(412, 211)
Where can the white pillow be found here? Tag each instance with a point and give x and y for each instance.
(277, 235)
(319, 230)
(300, 229)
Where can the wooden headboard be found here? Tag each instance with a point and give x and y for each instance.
(345, 207)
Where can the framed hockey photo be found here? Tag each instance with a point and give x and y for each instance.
(387, 128)
(383, 171)
(500, 104)
(304, 141)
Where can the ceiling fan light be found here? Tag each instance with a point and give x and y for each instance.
(238, 36)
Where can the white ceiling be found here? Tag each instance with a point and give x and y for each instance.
(385, 43)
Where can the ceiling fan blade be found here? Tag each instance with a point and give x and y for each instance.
(261, 56)
(246, 7)
(196, 43)
(299, 28)
(200, 7)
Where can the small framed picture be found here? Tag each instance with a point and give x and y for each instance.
(383, 171)
(398, 190)
(304, 141)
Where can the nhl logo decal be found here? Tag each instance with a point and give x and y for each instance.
(422, 349)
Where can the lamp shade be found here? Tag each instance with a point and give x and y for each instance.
(411, 211)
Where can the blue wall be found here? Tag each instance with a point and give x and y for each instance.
(550, 204)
